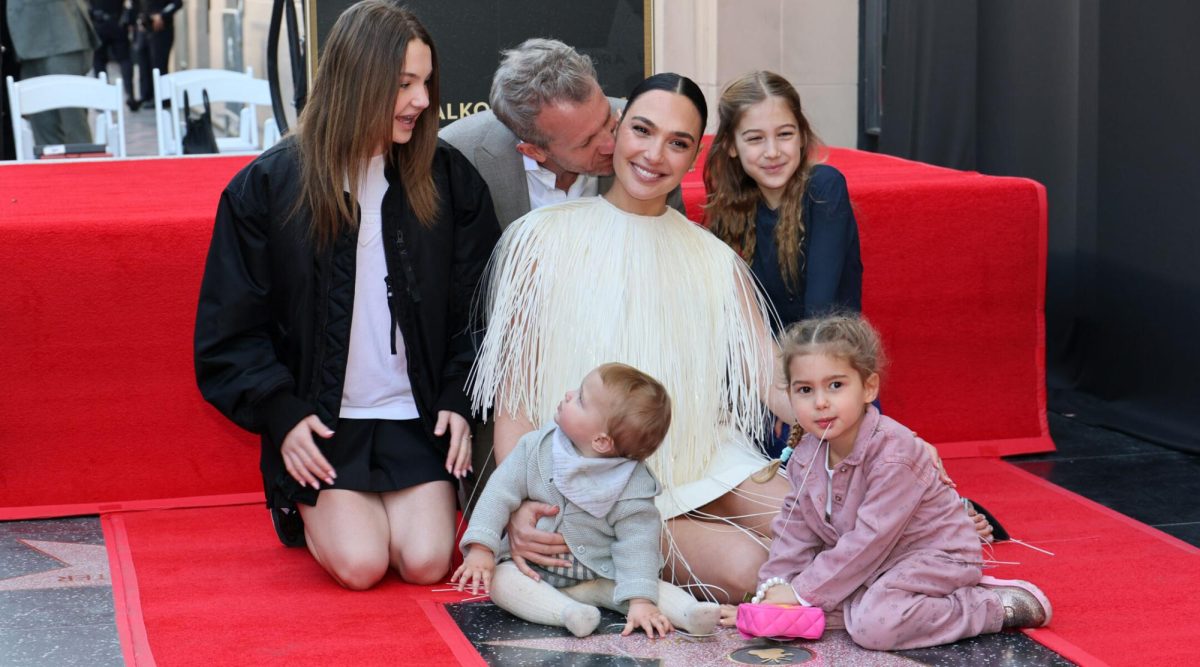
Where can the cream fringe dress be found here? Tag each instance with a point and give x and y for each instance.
(578, 284)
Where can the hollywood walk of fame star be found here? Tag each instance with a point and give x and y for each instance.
(503, 639)
(83, 565)
(724, 648)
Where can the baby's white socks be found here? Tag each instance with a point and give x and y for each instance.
(685, 612)
(539, 602)
(575, 608)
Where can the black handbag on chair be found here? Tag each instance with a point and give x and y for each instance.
(198, 135)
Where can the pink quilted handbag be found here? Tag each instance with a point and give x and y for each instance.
(779, 621)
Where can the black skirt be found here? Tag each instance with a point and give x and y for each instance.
(373, 455)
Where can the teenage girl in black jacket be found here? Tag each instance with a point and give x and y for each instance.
(335, 310)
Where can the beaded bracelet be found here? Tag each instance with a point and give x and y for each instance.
(766, 585)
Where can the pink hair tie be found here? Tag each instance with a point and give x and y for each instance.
(780, 621)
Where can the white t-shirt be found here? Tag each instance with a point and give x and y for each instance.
(540, 183)
(377, 385)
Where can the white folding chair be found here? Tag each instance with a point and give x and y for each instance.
(223, 86)
(64, 91)
(167, 121)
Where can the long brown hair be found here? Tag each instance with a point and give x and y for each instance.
(349, 115)
(733, 196)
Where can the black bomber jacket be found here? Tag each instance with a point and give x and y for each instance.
(273, 321)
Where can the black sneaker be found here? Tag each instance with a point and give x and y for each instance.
(288, 526)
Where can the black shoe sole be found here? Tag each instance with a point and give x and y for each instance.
(288, 526)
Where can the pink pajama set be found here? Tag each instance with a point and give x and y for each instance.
(897, 560)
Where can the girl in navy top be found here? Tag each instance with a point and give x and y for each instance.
(788, 217)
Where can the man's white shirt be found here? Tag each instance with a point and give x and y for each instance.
(540, 183)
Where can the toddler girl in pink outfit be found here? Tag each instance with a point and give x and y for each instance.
(868, 532)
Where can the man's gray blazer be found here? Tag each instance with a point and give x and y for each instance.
(43, 28)
(492, 148)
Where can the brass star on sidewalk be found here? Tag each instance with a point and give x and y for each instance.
(726, 647)
(83, 565)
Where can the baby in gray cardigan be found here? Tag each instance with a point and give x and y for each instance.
(588, 462)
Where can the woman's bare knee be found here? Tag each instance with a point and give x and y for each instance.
(743, 575)
(421, 519)
(422, 563)
(355, 571)
(347, 533)
(425, 570)
(734, 580)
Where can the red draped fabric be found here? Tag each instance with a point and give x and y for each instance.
(101, 264)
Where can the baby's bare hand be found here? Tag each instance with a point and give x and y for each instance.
(646, 615)
(476, 571)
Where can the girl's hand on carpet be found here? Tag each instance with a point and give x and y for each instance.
(728, 615)
(458, 459)
(476, 569)
(302, 458)
(526, 542)
(645, 614)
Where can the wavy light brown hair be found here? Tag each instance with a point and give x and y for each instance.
(349, 115)
(640, 410)
(846, 336)
(733, 196)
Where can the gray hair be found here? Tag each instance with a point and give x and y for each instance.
(537, 73)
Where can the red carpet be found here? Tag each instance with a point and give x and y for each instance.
(1123, 593)
(216, 588)
(102, 263)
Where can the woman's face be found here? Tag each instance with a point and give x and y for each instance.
(657, 141)
(767, 142)
(413, 97)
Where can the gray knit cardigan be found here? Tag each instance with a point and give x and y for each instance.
(623, 545)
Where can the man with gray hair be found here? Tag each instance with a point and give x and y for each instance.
(548, 137)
